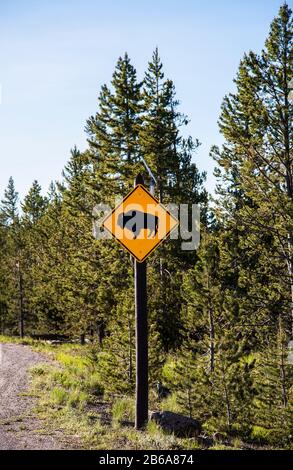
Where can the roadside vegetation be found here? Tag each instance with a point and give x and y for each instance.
(72, 396)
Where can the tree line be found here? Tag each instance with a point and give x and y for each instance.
(220, 318)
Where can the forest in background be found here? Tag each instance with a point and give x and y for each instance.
(221, 317)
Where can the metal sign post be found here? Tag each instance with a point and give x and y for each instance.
(141, 328)
(140, 231)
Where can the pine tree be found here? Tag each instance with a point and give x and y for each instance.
(9, 204)
(12, 259)
(113, 133)
(34, 204)
(118, 360)
(46, 297)
(33, 208)
(4, 284)
(273, 378)
(256, 122)
(255, 222)
(168, 155)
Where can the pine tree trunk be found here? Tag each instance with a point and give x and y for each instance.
(228, 407)
(282, 364)
(290, 273)
(21, 302)
(212, 339)
(289, 176)
(212, 331)
(283, 377)
(100, 333)
(189, 402)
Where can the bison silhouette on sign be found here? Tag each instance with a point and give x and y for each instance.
(135, 221)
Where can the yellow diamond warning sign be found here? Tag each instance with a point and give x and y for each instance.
(140, 223)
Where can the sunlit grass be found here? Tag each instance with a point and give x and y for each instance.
(71, 383)
(123, 409)
(70, 392)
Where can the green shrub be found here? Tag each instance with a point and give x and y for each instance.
(58, 396)
(123, 410)
(169, 370)
(92, 385)
(260, 435)
(170, 404)
(65, 378)
(39, 369)
(77, 399)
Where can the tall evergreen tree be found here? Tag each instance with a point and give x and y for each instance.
(11, 260)
(9, 204)
(113, 133)
(34, 204)
(256, 122)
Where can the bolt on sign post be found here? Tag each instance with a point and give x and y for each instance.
(140, 223)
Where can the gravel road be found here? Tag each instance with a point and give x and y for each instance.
(19, 429)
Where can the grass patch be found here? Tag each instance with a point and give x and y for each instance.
(123, 410)
(260, 434)
(71, 398)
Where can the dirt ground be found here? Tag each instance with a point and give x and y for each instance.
(19, 428)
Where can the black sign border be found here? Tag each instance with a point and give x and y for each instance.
(123, 202)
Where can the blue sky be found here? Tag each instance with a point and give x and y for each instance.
(55, 55)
